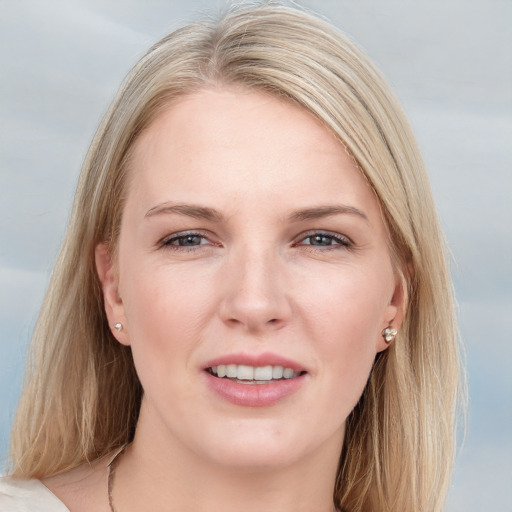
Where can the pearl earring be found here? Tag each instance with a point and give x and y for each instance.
(389, 334)
(118, 326)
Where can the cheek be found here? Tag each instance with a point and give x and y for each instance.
(347, 306)
(163, 297)
(345, 319)
(165, 312)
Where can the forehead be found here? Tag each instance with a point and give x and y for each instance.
(237, 147)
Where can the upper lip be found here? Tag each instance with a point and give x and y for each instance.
(256, 360)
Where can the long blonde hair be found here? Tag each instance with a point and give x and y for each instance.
(82, 396)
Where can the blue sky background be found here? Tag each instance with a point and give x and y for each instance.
(450, 64)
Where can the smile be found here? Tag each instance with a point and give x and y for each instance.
(254, 380)
(245, 374)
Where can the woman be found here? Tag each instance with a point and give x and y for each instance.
(252, 308)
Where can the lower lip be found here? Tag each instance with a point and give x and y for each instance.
(254, 395)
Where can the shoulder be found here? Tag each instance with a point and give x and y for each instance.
(27, 495)
(83, 488)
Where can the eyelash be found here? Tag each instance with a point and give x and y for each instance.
(167, 242)
(340, 241)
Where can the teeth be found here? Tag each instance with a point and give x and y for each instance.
(288, 373)
(231, 370)
(263, 373)
(253, 373)
(245, 372)
(277, 372)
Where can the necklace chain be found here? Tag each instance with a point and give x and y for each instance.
(110, 478)
(112, 465)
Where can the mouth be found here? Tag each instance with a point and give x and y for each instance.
(250, 375)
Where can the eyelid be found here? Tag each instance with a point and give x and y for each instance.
(166, 240)
(343, 240)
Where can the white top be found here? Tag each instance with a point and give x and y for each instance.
(22, 495)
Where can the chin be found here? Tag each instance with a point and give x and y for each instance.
(256, 458)
(255, 446)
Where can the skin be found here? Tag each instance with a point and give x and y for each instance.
(317, 289)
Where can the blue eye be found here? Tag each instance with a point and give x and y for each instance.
(322, 240)
(330, 240)
(189, 240)
(185, 240)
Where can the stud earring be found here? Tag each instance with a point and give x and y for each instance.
(389, 334)
(118, 326)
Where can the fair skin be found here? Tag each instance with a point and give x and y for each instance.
(248, 237)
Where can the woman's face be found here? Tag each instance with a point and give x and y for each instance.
(250, 247)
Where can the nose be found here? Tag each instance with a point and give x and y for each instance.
(254, 297)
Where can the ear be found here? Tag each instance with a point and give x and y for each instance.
(395, 311)
(113, 303)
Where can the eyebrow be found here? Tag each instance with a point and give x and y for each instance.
(326, 211)
(210, 214)
(189, 210)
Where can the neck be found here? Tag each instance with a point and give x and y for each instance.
(158, 474)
